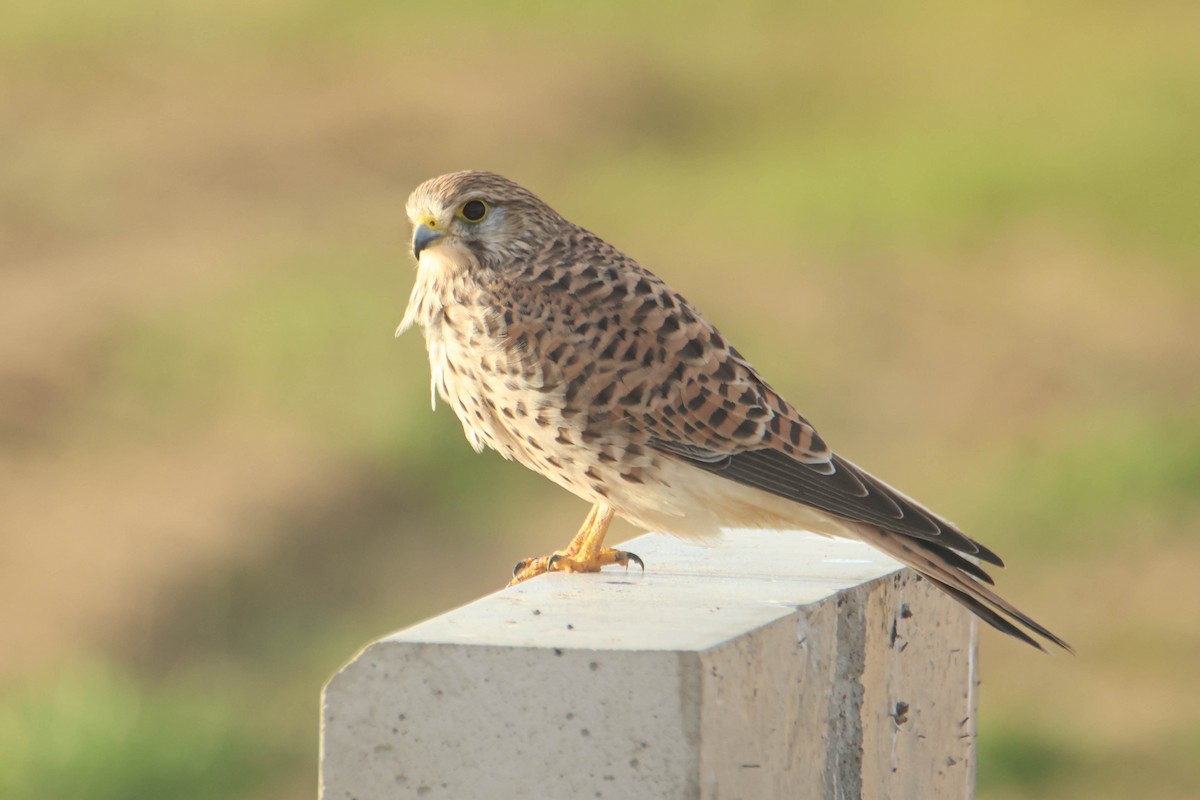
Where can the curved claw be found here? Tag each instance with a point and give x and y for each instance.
(565, 561)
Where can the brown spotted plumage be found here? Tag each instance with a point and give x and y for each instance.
(558, 351)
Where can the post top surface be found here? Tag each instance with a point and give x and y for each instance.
(691, 598)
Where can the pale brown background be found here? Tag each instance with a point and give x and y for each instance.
(962, 238)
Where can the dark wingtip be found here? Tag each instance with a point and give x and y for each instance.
(985, 554)
(1001, 622)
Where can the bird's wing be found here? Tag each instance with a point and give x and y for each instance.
(701, 401)
(742, 429)
(723, 417)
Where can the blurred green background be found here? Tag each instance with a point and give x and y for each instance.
(962, 238)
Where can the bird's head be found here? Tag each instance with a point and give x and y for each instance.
(480, 215)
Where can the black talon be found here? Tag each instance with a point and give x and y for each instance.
(634, 557)
(552, 561)
(520, 566)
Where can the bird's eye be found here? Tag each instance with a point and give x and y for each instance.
(473, 210)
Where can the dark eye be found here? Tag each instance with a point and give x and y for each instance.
(473, 210)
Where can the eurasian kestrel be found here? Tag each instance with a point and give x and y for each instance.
(559, 351)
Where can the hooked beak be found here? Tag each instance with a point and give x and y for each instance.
(424, 236)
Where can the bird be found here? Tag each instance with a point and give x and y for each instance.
(562, 353)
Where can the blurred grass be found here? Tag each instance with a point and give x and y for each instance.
(1046, 762)
(96, 731)
(1097, 480)
(961, 238)
(284, 341)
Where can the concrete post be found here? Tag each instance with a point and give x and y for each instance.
(776, 665)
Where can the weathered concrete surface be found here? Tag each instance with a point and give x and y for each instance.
(778, 665)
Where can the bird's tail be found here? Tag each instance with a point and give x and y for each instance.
(962, 579)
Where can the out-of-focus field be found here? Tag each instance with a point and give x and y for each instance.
(963, 238)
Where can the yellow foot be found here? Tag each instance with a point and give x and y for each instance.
(585, 553)
(562, 562)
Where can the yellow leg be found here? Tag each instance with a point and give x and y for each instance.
(585, 553)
